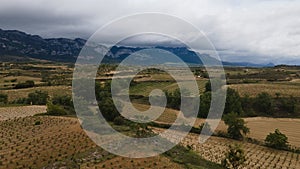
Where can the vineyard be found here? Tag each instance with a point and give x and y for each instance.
(21, 111)
(252, 90)
(215, 148)
(23, 93)
(38, 141)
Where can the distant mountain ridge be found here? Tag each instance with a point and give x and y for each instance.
(14, 43)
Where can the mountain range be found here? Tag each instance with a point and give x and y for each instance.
(17, 46)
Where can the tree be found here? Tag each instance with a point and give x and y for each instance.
(38, 97)
(263, 103)
(235, 157)
(108, 109)
(277, 140)
(174, 99)
(236, 126)
(119, 120)
(27, 84)
(233, 102)
(105, 102)
(3, 98)
(247, 106)
(65, 102)
(205, 100)
(55, 110)
(289, 104)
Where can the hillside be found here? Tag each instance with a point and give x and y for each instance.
(19, 46)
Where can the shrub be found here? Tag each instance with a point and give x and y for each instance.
(263, 103)
(38, 97)
(119, 120)
(289, 104)
(233, 102)
(236, 126)
(277, 140)
(3, 98)
(36, 123)
(27, 84)
(13, 80)
(205, 100)
(235, 157)
(55, 110)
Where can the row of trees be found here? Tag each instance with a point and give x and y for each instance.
(60, 105)
(37, 97)
(261, 105)
(27, 84)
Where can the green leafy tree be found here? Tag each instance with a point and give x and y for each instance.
(119, 120)
(277, 140)
(38, 97)
(3, 98)
(27, 84)
(236, 126)
(289, 104)
(174, 99)
(55, 110)
(106, 104)
(247, 106)
(205, 100)
(65, 101)
(233, 102)
(235, 157)
(263, 103)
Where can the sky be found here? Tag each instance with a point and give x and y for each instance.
(257, 31)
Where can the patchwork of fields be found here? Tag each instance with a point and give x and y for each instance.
(215, 148)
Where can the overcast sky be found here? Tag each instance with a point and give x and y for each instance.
(258, 31)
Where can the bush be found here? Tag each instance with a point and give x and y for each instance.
(37, 123)
(108, 109)
(3, 98)
(235, 157)
(233, 102)
(55, 110)
(277, 140)
(289, 104)
(38, 97)
(119, 120)
(27, 84)
(236, 126)
(63, 100)
(174, 99)
(13, 80)
(205, 100)
(263, 103)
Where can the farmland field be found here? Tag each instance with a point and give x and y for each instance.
(28, 139)
(39, 141)
(15, 94)
(285, 89)
(58, 142)
(7, 113)
(214, 149)
(260, 127)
